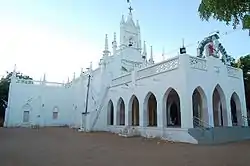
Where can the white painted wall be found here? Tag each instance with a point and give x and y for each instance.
(183, 73)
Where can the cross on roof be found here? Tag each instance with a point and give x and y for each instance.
(130, 9)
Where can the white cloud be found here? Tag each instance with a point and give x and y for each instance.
(37, 49)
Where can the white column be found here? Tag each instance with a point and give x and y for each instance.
(210, 109)
(186, 111)
(142, 114)
(243, 111)
(228, 111)
(160, 114)
(127, 115)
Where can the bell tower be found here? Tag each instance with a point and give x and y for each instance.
(130, 35)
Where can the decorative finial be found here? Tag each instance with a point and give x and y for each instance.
(91, 66)
(151, 60)
(106, 47)
(130, 8)
(14, 72)
(14, 68)
(114, 36)
(183, 48)
(144, 54)
(106, 42)
(44, 77)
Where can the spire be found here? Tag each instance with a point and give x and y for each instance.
(122, 20)
(44, 77)
(106, 42)
(130, 17)
(114, 36)
(114, 44)
(74, 76)
(106, 47)
(81, 72)
(151, 59)
(91, 66)
(14, 72)
(144, 54)
(68, 80)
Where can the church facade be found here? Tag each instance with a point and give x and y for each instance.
(130, 93)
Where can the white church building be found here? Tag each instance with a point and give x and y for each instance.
(180, 99)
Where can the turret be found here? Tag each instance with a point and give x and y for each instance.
(151, 59)
(13, 76)
(114, 44)
(106, 51)
(144, 54)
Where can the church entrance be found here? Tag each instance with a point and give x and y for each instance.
(120, 112)
(110, 113)
(173, 113)
(236, 113)
(200, 110)
(134, 109)
(151, 110)
(219, 107)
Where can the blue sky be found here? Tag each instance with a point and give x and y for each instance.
(58, 37)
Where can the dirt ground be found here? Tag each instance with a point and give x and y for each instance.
(67, 147)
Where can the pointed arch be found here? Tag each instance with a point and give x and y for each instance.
(219, 107)
(120, 116)
(150, 105)
(26, 112)
(134, 110)
(200, 109)
(236, 112)
(110, 118)
(171, 107)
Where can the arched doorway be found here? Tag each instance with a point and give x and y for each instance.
(151, 108)
(134, 109)
(200, 109)
(236, 113)
(110, 113)
(120, 112)
(26, 113)
(219, 107)
(172, 107)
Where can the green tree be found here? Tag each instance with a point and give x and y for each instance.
(233, 12)
(244, 64)
(4, 90)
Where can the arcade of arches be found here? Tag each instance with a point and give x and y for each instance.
(172, 110)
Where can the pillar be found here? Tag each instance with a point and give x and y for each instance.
(142, 113)
(160, 113)
(210, 108)
(128, 114)
(228, 111)
(186, 110)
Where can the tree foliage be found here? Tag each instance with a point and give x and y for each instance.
(244, 64)
(4, 89)
(230, 11)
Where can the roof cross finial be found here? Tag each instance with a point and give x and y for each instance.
(130, 8)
